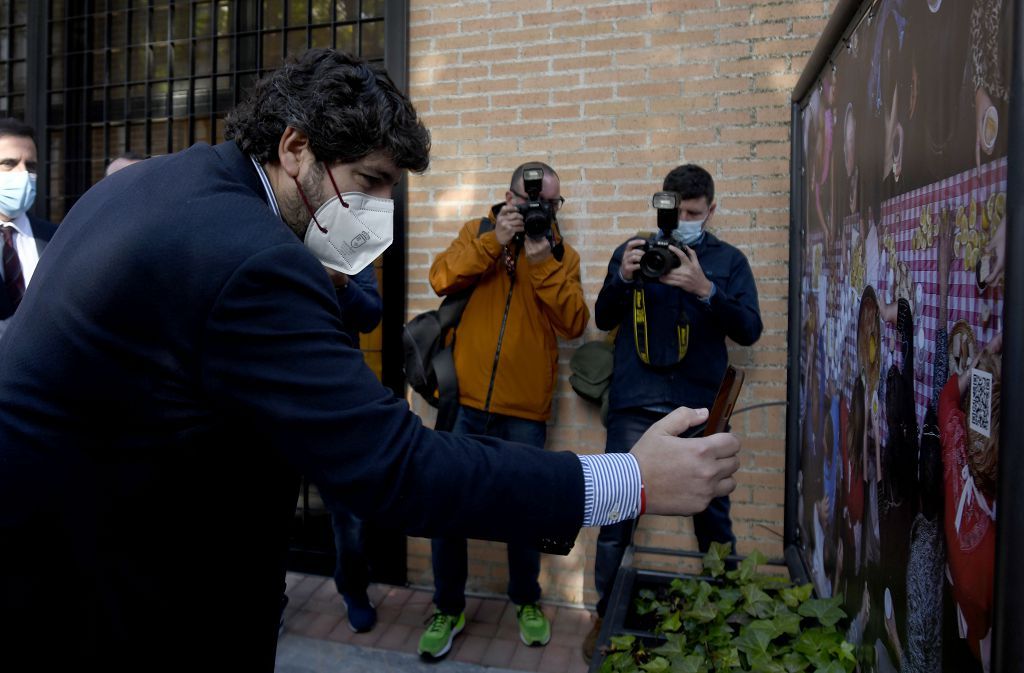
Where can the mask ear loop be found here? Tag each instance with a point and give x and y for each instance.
(335, 185)
(309, 207)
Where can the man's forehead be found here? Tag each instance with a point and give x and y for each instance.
(16, 145)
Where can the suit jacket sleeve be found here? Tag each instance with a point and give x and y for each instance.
(465, 260)
(277, 361)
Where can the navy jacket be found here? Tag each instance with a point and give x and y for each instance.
(361, 305)
(177, 360)
(42, 232)
(732, 312)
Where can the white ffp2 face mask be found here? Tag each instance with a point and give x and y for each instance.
(351, 230)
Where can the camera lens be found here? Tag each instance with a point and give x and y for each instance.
(657, 261)
(536, 218)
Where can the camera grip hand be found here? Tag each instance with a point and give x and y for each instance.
(681, 476)
(631, 259)
(508, 223)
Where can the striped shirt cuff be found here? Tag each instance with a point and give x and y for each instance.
(611, 488)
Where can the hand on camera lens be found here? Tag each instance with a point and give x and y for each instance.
(688, 275)
(537, 249)
(509, 223)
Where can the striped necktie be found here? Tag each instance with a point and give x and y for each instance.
(14, 279)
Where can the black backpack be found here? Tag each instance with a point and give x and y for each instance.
(428, 343)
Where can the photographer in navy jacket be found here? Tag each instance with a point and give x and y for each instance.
(670, 347)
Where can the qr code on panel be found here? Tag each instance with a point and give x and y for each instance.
(981, 402)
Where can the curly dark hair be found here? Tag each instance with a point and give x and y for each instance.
(347, 107)
(690, 181)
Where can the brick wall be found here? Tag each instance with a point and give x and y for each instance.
(613, 95)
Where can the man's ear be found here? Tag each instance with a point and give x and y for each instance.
(292, 151)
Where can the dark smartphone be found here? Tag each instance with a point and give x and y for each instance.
(725, 402)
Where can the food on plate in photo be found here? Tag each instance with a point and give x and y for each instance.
(989, 128)
(963, 346)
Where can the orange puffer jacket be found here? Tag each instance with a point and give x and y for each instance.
(519, 347)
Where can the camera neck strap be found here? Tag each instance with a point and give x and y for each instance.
(642, 328)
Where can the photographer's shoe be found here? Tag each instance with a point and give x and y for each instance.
(441, 630)
(590, 642)
(362, 615)
(534, 627)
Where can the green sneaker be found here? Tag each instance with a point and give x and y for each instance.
(441, 630)
(534, 627)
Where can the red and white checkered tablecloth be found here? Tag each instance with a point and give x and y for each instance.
(837, 323)
(901, 216)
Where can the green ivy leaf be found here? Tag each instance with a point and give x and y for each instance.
(786, 621)
(714, 560)
(757, 602)
(755, 637)
(672, 623)
(831, 667)
(702, 610)
(656, 665)
(794, 662)
(747, 569)
(726, 659)
(825, 610)
(794, 596)
(622, 643)
(762, 662)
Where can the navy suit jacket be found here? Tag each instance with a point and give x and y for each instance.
(177, 361)
(42, 232)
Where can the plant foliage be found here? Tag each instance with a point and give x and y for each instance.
(738, 620)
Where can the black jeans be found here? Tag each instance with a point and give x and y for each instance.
(625, 427)
(449, 555)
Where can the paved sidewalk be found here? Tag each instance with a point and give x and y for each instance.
(317, 637)
(298, 654)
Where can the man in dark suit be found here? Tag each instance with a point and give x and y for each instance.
(179, 360)
(24, 236)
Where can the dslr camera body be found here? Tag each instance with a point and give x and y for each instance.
(537, 214)
(657, 259)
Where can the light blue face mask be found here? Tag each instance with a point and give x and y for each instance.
(688, 232)
(17, 192)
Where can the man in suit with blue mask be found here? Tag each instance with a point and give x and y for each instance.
(24, 235)
(675, 298)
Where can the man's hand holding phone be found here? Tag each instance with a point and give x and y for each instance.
(682, 475)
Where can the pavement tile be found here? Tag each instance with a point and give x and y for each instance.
(498, 653)
(555, 658)
(471, 649)
(526, 658)
(393, 636)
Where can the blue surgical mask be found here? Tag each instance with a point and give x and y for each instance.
(17, 192)
(688, 232)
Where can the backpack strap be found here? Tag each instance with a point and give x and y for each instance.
(449, 314)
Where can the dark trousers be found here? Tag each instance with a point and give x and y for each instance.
(449, 555)
(625, 427)
(351, 570)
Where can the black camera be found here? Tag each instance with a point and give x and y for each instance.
(657, 259)
(537, 213)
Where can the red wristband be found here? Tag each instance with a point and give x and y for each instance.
(643, 500)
